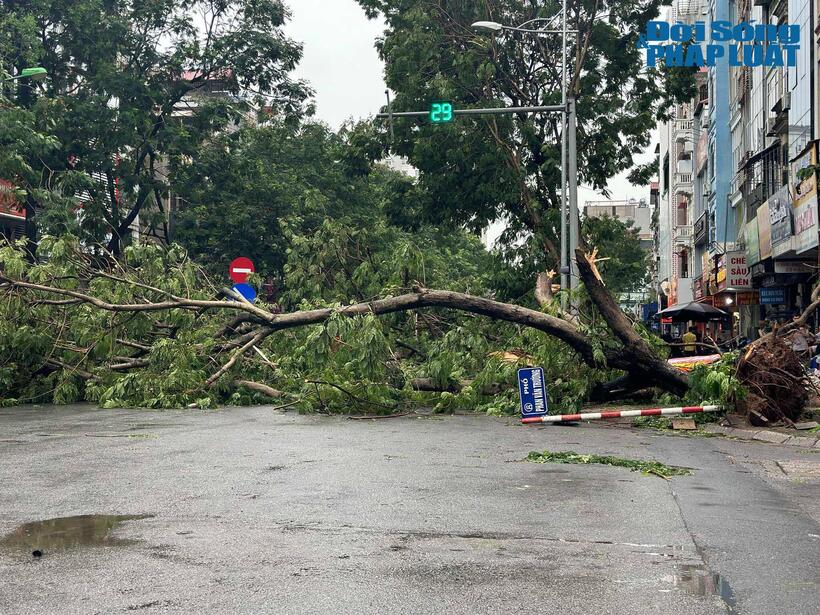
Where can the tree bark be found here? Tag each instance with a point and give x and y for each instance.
(261, 388)
(644, 361)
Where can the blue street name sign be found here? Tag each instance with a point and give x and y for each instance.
(532, 391)
(772, 296)
(246, 290)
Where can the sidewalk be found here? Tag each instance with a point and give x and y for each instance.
(810, 440)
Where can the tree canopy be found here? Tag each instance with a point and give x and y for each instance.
(251, 191)
(127, 97)
(478, 169)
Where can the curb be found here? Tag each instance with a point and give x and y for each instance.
(762, 435)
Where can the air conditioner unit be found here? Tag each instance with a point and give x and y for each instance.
(771, 127)
(707, 192)
(787, 102)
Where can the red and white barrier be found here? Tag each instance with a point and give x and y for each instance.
(588, 416)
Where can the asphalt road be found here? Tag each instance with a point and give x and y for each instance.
(253, 511)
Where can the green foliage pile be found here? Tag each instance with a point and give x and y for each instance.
(70, 352)
(716, 384)
(636, 465)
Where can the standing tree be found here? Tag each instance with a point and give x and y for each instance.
(479, 169)
(251, 190)
(126, 97)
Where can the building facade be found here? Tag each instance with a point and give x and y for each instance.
(753, 202)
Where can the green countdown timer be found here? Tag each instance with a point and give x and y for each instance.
(441, 112)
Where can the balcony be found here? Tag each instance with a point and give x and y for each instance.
(682, 183)
(683, 126)
(737, 182)
(683, 234)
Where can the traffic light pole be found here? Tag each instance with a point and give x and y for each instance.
(574, 224)
(569, 172)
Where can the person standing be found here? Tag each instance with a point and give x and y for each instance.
(690, 339)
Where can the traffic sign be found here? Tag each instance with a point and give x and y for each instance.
(532, 391)
(441, 112)
(246, 290)
(240, 268)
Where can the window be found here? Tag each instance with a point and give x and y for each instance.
(683, 206)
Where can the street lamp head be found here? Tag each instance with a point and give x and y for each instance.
(488, 25)
(35, 73)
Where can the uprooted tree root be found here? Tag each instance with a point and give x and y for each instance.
(778, 388)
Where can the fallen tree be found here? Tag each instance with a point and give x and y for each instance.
(113, 332)
(250, 325)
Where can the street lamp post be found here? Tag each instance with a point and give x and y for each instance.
(569, 159)
(35, 73)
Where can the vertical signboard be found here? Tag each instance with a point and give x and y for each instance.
(720, 279)
(764, 231)
(737, 271)
(803, 181)
(701, 153)
(752, 243)
(532, 391)
(780, 217)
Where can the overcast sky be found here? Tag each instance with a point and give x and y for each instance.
(343, 67)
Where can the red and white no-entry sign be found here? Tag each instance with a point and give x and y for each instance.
(240, 268)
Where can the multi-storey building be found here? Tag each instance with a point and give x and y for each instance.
(635, 212)
(676, 188)
(754, 189)
(775, 185)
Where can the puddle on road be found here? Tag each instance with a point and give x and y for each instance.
(66, 533)
(699, 581)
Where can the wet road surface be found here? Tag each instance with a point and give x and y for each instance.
(247, 510)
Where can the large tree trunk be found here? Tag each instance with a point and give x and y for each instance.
(645, 364)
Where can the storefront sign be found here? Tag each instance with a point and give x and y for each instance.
(747, 298)
(805, 225)
(757, 270)
(697, 289)
(780, 216)
(706, 264)
(764, 231)
(773, 296)
(792, 267)
(720, 275)
(700, 230)
(783, 247)
(752, 242)
(737, 276)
